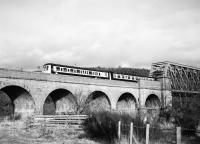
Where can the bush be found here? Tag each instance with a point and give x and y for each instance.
(15, 117)
(104, 125)
(186, 115)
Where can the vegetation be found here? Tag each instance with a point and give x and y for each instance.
(104, 125)
(183, 113)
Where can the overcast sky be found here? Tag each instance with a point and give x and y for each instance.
(130, 33)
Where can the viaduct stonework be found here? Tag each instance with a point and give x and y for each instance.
(30, 92)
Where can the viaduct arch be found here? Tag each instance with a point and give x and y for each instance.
(126, 101)
(18, 100)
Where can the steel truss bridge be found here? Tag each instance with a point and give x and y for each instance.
(185, 80)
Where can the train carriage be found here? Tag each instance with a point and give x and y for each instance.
(78, 71)
(71, 70)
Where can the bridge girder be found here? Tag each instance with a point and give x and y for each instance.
(184, 79)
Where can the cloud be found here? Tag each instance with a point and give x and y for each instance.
(106, 33)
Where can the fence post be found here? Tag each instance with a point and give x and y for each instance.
(135, 140)
(119, 130)
(147, 134)
(131, 134)
(178, 135)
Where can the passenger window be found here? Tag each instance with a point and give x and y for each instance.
(78, 71)
(90, 72)
(57, 68)
(71, 70)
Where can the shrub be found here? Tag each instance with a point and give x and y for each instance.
(182, 114)
(104, 125)
(15, 117)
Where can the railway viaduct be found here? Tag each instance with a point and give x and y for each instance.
(33, 92)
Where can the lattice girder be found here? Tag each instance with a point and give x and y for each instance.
(183, 78)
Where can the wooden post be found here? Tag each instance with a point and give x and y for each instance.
(135, 140)
(131, 134)
(178, 135)
(147, 134)
(119, 130)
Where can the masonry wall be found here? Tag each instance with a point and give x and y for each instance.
(40, 85)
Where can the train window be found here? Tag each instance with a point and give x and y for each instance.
(87, 72)
(71, 70)
(123, 76)
(81, 71)
(99, 73)
(90, 72)
(128, 77)
(57, 68)
(65, 69)
(118, 76)
(75, 70)
(78, 71)
(96, 73)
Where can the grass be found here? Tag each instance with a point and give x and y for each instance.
(21, 132)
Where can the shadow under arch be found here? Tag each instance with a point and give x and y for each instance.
(126, 101)
(97, 101)
(60, 101)
(16, 100)
(152, 101)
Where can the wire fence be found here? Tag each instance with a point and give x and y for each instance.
(145, 134)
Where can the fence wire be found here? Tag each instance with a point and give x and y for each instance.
(156, 134)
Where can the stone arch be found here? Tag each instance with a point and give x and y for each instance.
(126, 101)
(18, 100)
(152, 101)
(59, 101)
(97, 101)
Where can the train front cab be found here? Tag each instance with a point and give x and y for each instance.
(47, 68)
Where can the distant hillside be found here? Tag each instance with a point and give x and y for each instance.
(127, 71)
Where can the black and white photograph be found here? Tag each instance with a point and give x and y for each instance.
(99, 71)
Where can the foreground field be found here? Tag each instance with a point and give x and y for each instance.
(19, 133)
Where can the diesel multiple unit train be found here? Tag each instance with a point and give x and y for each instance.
(78, 71)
